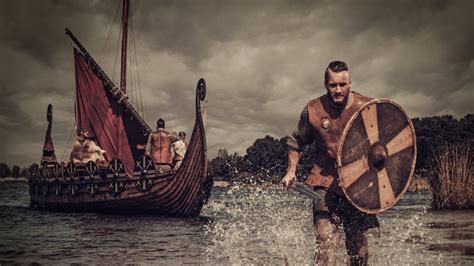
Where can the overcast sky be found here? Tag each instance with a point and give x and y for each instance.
(262, 60)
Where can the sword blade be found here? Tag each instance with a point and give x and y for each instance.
(306, 191)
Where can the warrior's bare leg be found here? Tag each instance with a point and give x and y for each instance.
(327, 237)
(357, 247)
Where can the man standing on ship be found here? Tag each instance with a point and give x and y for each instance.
(178, 149)
(322, 121)
(158, 147)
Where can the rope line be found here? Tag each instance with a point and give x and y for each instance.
(68, 143)
(138, 81)
(116, 53)
(131, 89)
(146, 58)
(101, 54)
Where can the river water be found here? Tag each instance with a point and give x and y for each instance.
(238, 226)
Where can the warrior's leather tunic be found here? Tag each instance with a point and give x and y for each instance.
(159, 147)
(323, 123)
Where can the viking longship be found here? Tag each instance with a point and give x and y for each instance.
(127, 181)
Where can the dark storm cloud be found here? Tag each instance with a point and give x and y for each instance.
(36, 28)
(263, 60)
(191, 28)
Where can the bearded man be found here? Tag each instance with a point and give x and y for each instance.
(322, 121)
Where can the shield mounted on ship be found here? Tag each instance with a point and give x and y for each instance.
(376, 156)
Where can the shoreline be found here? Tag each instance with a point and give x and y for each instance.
(13, 179)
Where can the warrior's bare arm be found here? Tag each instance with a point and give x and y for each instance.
(297, 143)
(293, 158)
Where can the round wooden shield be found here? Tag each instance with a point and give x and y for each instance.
(71, 171)
(56, 170)
(116, 168)
(144, 166)
(92, 171)
(116, 172)
(376, 156)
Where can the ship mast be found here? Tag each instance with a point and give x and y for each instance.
(123, 67)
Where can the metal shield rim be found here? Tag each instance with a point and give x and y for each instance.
(343, 138)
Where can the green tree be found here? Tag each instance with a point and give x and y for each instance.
(4, 170)
(225, 166)
(24, 172)
(267, 158)
(434, 132)
(15, 171)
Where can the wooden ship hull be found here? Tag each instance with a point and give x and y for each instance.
(127, 181)
(181, 193)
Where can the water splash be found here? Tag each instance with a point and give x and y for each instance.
(256, 225)
(260, 225)
(401, 238)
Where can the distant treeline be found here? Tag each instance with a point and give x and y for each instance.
(266, 159)
(15, 171)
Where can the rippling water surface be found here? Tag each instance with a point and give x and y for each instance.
(239, 226)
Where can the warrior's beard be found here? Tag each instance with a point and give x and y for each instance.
(341, 103)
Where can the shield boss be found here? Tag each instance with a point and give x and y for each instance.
(376, 156)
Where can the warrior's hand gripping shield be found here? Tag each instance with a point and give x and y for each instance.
(376, 156)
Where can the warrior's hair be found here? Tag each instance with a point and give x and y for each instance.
(182, 134)
(160, 123)
(335, 66)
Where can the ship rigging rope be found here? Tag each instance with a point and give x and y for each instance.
(68, 147)
(133, 82)
(139, 87)
(116, 53)
(107, 38)
(135, 88)
(131, 92)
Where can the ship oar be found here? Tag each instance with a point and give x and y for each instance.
(305, 190)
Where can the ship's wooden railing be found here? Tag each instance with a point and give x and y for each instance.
(58, 178)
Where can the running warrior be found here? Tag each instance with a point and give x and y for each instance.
(322, 121)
